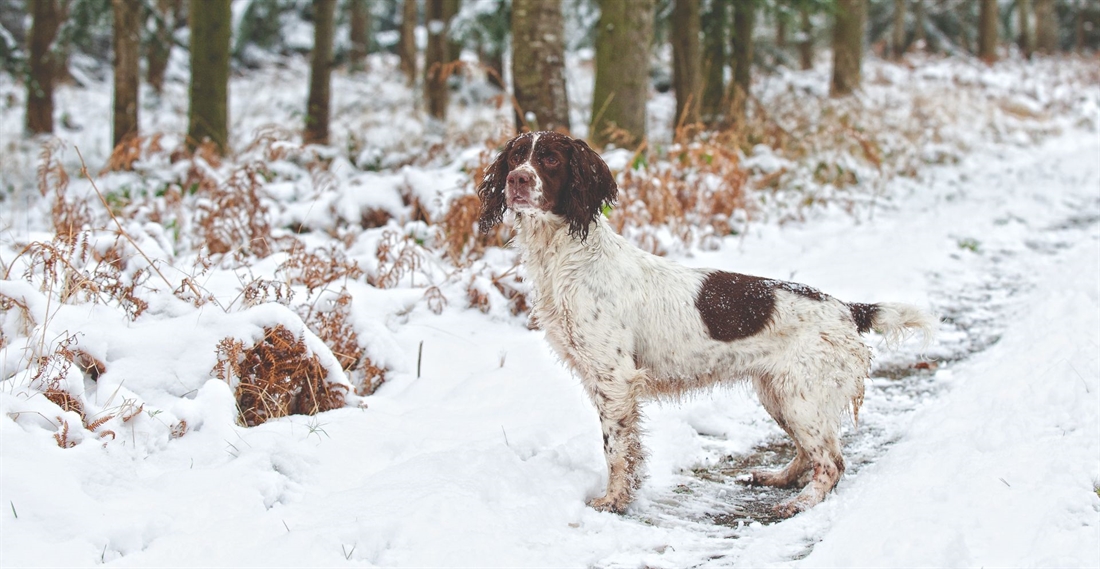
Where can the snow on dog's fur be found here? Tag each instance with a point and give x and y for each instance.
(634, 326)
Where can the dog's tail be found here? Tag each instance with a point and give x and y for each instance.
(894, 320)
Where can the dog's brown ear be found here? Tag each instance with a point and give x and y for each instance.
(592, 187)
(491, 190)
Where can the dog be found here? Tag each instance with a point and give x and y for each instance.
(635, 326)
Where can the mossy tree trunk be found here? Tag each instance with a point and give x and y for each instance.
(406, 43)
(538, 65)
(1046, 27)
(160, 49)
(987, 31)
(847, 47)
(806, 46)
(42, 64)
(741, 48)
(897, 41)
(320, 72)
(438, 16)
(208, 117)
(126, 41)
(714, 24)
(687, 75)
(1025, 37)
(623, 37)
(359, 35)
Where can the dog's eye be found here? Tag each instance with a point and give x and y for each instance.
(551, 161)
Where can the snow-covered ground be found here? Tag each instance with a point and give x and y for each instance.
(480, 449)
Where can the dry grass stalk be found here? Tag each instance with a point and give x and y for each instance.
(276, 377)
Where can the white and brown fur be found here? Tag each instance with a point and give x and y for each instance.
(635, 326)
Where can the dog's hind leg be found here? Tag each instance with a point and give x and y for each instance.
(795, 472)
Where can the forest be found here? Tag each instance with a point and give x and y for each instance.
(244, 300)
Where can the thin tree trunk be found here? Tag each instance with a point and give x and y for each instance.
(320, 73)
(686, 61)
(918, 32)
(741, 48)
(126, 40)
(359, 35)
(156, 60)
(781, 31)
(42, 64)
(806, 46)
(623, 37)
(987, 31)
(714, 24)
(406, 45)
(1046, 27)
(438, 17)
(208, 117)
(897, 47)
(1023, 13)
(847, 47)
(538, 65)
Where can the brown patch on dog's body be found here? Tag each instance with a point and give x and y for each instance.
(736, 306)
(863, 315)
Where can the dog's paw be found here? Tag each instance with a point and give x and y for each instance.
(779, 479)
(613, 504)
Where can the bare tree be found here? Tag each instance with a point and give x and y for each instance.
(46, 17)
(847, 47)
(165, 16)
(208, 117)
(987, 31)
(714, 24)
(538, 65)
(741, 48)
(359, 35)
(126, 40)
(440, 52)
(918, 24)
(406, 45)
(1046, 26)
(320, 72)
(623, 37)
(1023, 14)
(686, 61)
(806, 46)
(897, 43)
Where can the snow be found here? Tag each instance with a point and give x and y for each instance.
(481, 449)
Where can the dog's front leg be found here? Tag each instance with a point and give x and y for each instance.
(614, 394)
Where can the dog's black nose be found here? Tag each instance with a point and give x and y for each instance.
(520, 179)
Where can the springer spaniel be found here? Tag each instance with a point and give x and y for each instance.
(634, 325)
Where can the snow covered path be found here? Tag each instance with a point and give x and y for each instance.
(484, 452)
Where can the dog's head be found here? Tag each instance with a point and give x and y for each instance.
(547, 172)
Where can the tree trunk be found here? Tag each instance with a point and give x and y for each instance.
(781, 30)
(744, 17)
(1025, 41)
(208, 117)
(918, 32)
(320, 73)
(714, 63)
(623, 37)
(847, 47)
(164, 24)
(438, 16)
(42, 64)
(359, 35)
(687, 78)
(987, 31)
(897, 45)
(126, 40)
(538, 65)
(806, 46)
(406, 45)
(1046, 27)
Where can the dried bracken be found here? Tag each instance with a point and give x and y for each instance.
(276, 377)
(317, 268)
